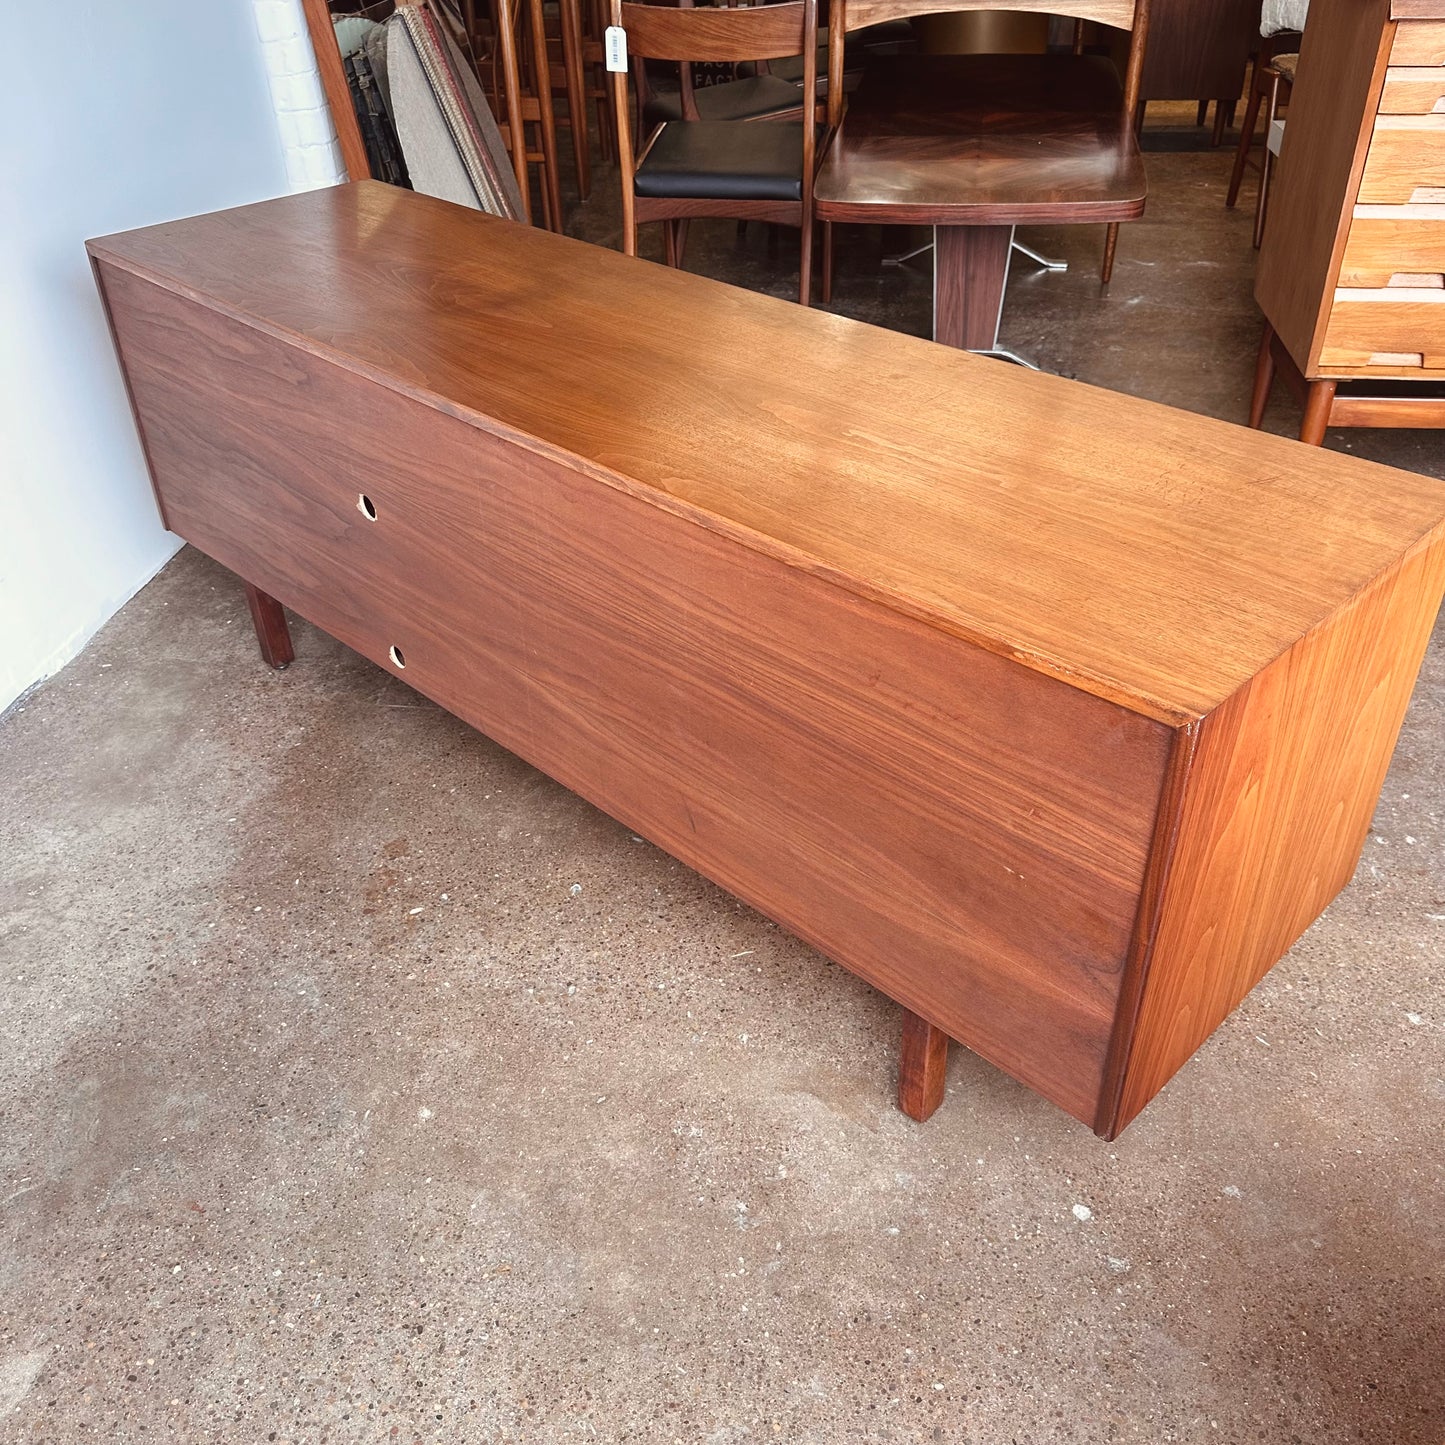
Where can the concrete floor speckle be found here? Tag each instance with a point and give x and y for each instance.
(359, 1083)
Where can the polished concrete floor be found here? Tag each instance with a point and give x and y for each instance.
(357, 1083)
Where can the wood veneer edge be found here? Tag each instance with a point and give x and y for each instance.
(1177, 775)
(1103, 687)
(140, 430)
(1203, 775)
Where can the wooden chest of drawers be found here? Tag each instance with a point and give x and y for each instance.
(1352, 268)
(1055, 715)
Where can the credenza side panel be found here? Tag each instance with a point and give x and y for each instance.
(961, 831)
(1276, 810)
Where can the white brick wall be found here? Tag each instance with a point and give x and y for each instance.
(313, 157)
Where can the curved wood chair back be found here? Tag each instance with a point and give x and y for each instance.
(687, 32)
(846, 15)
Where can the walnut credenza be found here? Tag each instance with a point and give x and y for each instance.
(1054, 714)
(1352, 267)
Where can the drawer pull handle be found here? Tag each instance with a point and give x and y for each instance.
(366, 507)
(397, 658)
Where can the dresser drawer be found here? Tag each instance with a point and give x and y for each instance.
(1407, 326)
(1386, 243)
(1419, 42)
(1413, 90)
(1406, 161)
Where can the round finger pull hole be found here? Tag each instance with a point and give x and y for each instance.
(396, 656)
(366, 507)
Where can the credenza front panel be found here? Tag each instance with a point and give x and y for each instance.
(965, 833)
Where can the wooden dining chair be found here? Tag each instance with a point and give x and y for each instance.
(845, 16)
(1270, 87)
(747, 170)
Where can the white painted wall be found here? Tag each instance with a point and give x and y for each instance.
(118, 115)
(313, 157)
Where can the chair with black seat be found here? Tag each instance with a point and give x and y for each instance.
(737, 169)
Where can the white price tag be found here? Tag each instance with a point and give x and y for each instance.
(616, 44)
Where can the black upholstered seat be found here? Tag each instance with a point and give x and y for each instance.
(748, 99)
(724, 160)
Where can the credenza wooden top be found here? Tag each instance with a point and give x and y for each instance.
(1149, 556)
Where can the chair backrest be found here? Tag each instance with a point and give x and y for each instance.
(846, 15)
(686, 33)
(1120, 14)
(755, 32)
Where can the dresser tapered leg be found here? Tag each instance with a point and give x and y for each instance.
(921, 1067)
(271, 630)
(1317, 412)
(1263, 378)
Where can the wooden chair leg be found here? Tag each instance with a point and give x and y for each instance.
(805, 264)
(681, 240)
(827, 292)
(570, 19)
(1221, 121)
(546, 121)
(1246, 137)
(1266, 162)
(922, 1065)
(271, 630)
(1317, 412)
(1263, 378)
(669, 243)
(1111, 245)
(1202, 114)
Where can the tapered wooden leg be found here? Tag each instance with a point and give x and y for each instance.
(1263, 378)
(1317, 412)
(1246, 136)
(1221, 120)
(271, 630)
(970, 270)
(827, 262)
(921, 1067)
(1111, 245)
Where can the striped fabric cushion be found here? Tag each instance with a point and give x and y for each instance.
(452, 146)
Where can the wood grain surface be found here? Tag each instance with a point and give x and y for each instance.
(1145, 555)
(922, 1067)
(1386, 242)
(1406, 160)
(787, 625)
(1422, 42)
(1116, 13)
(747, 33)
(1365, 324)
(1343, 57)
(1413, 90)
(1276, 810)
(1198, 49)
(967, 834)
(1420, 410)
(984, 140)
(970, 270)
